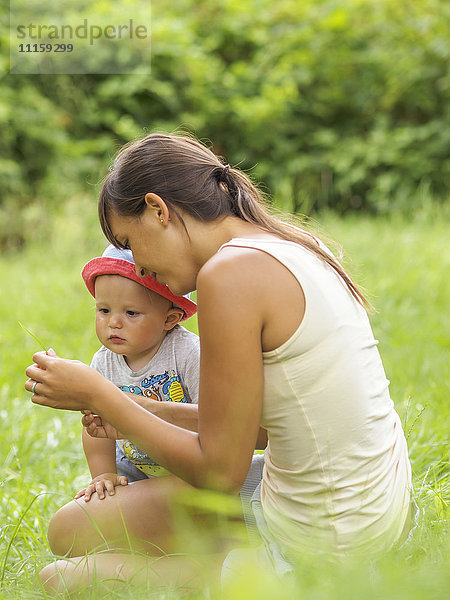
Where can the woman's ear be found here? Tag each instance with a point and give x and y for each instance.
(157, 205)
(173, 317)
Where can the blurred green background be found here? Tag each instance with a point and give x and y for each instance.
(328, 104)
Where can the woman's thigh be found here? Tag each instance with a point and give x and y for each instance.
(139, 516)
(156, 516)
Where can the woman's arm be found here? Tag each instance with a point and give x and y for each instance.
(231, 385)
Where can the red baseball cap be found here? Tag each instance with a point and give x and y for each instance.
(118, 261)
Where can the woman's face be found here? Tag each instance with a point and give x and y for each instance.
(161, 250)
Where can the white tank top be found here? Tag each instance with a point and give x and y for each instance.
(336, 469)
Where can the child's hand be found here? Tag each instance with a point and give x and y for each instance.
(98, 427)
(105, 481)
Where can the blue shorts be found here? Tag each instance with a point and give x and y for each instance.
(126, 467)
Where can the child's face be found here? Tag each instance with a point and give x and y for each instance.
(130, 319)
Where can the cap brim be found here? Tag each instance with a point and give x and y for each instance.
(115, 266)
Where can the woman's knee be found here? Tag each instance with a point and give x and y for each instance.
(53, 577)
(63, 529)
(80, 527)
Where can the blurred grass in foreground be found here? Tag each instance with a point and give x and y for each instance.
(403, 266)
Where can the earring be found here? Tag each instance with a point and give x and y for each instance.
(161, 220)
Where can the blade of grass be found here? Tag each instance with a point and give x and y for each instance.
(16, 529)
(33, 336)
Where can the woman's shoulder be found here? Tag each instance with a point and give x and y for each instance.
(236, 254)
(232, 267)
(249, 283)
(245, 280)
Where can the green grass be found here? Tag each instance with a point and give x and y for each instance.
(404, 266)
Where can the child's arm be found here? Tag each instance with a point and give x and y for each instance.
(178, 413)
(101, 459)
(100, 455)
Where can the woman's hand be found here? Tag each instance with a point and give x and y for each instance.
(62, 383)
(99, 428)
(104, 482)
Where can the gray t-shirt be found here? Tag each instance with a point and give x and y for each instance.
(171, 375)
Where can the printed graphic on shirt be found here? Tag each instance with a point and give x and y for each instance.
(140, 460)
(164, 387)
(133, 389)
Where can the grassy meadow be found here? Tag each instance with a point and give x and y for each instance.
(404, 266)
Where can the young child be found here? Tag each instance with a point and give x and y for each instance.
(145, 352)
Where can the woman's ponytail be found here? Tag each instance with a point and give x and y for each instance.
(189, 176)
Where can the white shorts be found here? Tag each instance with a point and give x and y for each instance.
(266, 551)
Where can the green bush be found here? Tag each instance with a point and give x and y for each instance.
(329, 104)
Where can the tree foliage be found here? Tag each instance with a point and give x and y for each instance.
(329, 104)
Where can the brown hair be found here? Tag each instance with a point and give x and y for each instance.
(187, 175)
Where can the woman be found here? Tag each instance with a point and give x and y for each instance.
(285, 344)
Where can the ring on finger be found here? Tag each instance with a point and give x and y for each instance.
(33, 387)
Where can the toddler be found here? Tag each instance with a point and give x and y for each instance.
(145, 352)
